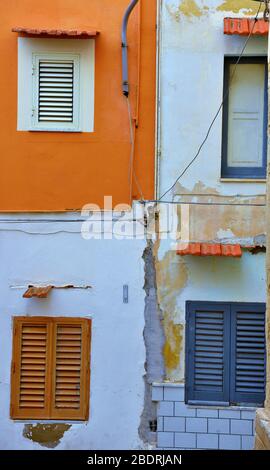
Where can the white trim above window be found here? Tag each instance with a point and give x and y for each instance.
(56, 85)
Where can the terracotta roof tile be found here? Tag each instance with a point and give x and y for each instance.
(209, 249)
(244, 26)
(40, 292)
(74, 33)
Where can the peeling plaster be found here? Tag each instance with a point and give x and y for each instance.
(154, 342)
(172, 278)
(47, 435)
(187, 8)
(235, 6)
(227, 219)
(191, 8)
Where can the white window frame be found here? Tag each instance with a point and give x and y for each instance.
(57, 126)
(29, 51)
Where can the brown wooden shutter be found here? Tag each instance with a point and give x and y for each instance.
(30, 368)
(50, 368)
(71, 368)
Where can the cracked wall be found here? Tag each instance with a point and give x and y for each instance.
(154, 341)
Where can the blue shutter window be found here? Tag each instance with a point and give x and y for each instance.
(207, 368)
(248, 352)
(225, 353)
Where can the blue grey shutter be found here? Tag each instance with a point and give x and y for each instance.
(207, 352)
(248, 354)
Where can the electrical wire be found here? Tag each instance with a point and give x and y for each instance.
(131, 171)
(186, 203)
(225, 96)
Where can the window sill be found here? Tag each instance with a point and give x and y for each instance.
(48, 421)
(218, 407)
(243, 180)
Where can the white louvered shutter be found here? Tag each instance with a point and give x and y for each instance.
(56, 89)
(56, 93)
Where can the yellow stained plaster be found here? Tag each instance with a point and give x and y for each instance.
(172, 277)
(190, 8)
(173, 345)
(236, 5)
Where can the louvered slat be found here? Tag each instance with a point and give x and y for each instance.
(209, 351)
(68, 366)
(56, 91)
(33, 366)
(250, 352)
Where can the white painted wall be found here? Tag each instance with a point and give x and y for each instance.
(55, 253)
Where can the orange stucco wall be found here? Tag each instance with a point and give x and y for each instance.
(63, 171)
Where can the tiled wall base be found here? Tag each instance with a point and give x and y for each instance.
(190, 427)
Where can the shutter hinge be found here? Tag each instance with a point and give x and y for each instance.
(33, 111)
(33, 69)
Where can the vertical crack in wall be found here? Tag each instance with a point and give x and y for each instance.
(154, 344)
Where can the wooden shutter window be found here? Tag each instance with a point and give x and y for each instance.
(225, 353)
(71, 359)
(207, 369)
(50, 368)
(248, 348)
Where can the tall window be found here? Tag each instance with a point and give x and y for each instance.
(244, 150)
(225, 353)
(50, 368)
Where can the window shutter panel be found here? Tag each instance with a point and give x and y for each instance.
(249, 354)
(71, 369)
(246, 116)
(208, 330)
(55, 91)
(30, 368)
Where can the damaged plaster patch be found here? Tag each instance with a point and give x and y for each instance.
(227, 233)
(188, 8)
(235, 6)
(47, 435)
(172, 276)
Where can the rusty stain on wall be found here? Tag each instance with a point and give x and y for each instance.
(47, 435)
(172, 277)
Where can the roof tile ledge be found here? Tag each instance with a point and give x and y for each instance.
(245, 26)
(209, 249)
(45, 32)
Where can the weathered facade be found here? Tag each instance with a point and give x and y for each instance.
(70, 147)
(263, 415)
(227, 206)
(125, 298)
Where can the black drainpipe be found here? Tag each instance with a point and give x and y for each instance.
(125, 84)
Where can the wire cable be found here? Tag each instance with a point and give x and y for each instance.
(225, 96)
(131, 171)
